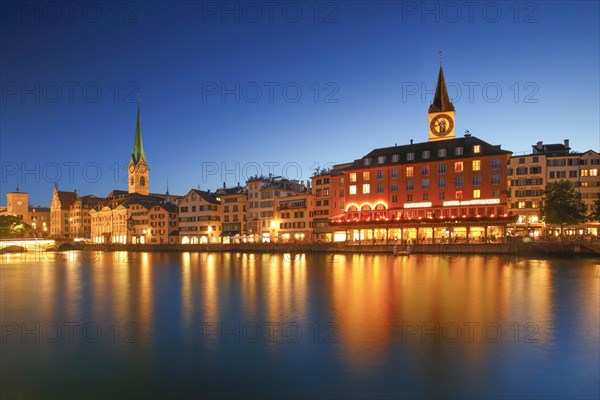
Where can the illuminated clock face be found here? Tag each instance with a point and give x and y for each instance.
(441, 125)
(19, 203)
(131, 167)
(143, 168)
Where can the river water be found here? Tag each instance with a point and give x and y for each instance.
(176, 325)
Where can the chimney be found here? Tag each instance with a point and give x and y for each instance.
(567, 143)
(411, 141)
(238, 185)
(223, 185)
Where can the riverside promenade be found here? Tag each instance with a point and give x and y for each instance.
(543, 248)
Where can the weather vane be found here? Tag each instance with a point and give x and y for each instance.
(440, 53)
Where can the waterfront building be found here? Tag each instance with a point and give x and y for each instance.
(529, 174)
(69, 214)
(38, 218)
(262, 193)
(163, 223)
(200, 215)
(329, 193)
(294, 218)
(446, 189)
(234, 201)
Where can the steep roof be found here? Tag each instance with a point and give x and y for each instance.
(441, 100)
(208, 197)
(66, 199)
(138, 145)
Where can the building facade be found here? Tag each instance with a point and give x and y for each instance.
(446, 189)
(200, 216)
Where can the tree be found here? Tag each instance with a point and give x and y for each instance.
(595, 212)
(11, 225)
(562, 205)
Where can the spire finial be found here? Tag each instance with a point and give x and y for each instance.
(440, 53)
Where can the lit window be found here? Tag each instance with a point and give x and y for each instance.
(410, 171)
(353, 177)
(366, 175)
(476, 165)
(521, 204)
(458, 166)
(476, 194)
(476, 149)
(584, 172)
(352, 189)
(366, 188)
(594, 172)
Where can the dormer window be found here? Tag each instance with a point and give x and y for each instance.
(426, 154)
(442, 153)
(410, 157)
(380, 159)
(368, 161)
(395, 157)
(458, 151)
(476, 149)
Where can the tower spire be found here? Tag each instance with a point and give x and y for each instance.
(138, 146)
(441, 100)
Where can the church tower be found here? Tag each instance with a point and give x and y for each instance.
(441, 111)
(18, 204)
(138, 167)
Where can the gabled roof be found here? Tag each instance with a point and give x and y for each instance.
(206, 196)
(417, 150)
(66, 199)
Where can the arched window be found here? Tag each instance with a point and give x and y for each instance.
(365, 212)
(352, 209)
(142, 181)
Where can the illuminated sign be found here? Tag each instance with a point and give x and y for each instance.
(474, 202)
(417, 205)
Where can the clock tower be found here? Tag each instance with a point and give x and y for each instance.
(18, 204)
(138, 167)
(441, 111)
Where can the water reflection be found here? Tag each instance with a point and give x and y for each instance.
(477, 326)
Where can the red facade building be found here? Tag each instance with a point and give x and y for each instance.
(446, 189)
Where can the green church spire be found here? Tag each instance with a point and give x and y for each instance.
(138, 146)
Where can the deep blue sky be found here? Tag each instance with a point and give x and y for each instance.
(370, 57)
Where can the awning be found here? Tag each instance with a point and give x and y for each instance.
(230, 233)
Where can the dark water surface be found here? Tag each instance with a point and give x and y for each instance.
(171, 325)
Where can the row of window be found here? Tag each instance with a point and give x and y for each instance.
(425, 155)
(425, 170)
(425, 184)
